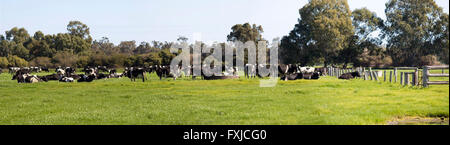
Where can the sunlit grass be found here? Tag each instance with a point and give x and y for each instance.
(241, 101)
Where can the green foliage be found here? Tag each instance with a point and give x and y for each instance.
(415, 29)
(17, 61)
(104, 46)
(5, 48)
(19, 50)
(368, 59)
(64, 58)
(77, 28)
(153, 59)
(245, 32)
(18, 35)
(366, 22)
(143, 48)
(330, 26)
(127, 47)
(65, 42)
(39, 47)
(323, 30)
(41, 61)
(166, 57)
(4, 62)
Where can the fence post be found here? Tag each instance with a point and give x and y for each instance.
(390, 76)
(425, 76)
(375, 73)
(384, 75)
(370, 73)
(413, 83)
(365, 75)
(401, 78)
(395, 75)
(416, 77)
(329, 71)
(406, 79)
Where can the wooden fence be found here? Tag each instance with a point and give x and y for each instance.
(406, 78)
(426, 75)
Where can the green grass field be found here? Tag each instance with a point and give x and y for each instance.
(327, 101)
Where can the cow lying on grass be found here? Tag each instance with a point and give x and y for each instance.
(22, 77)
(311, 76)
(66, 79)
(86, 78)
(348, 76)
(306, 76)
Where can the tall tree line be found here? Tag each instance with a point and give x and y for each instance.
(76, 48)
(415, 33)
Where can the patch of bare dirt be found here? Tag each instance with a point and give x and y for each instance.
(420, 121)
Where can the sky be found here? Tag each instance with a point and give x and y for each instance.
(163, 20)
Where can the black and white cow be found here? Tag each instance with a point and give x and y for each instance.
(103, 69)
(351, 75)
(45, 69)
(287, 69)
(102, 76)
(307, 69)
(134, 73)
(13, 70)
(35, 69)
(70, 71)
(322, 71)
(86, 78)
(22, 77)
(66, 79)
(293, 76)
(311, 75)
(52, 77)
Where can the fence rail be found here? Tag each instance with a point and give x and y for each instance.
(426, 76)
(406, 78)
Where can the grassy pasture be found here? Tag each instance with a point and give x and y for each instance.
(242, 101)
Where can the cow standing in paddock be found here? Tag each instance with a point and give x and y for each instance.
(134, 73)
(286, 69)
(160, 71)
(164, 71)
(348, 76)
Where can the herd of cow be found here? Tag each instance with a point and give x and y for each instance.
(68, 74)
